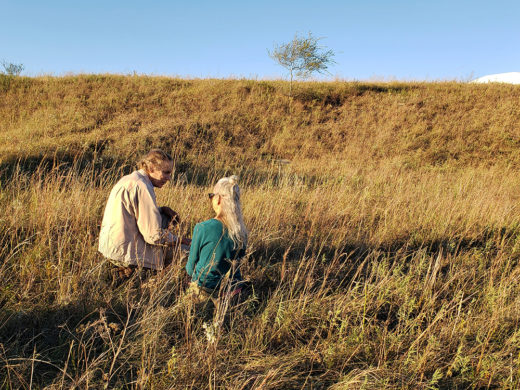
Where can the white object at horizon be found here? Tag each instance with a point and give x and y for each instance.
(510, 78)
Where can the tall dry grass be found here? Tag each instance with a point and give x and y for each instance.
(380, 256)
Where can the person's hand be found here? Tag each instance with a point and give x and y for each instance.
(175, 219)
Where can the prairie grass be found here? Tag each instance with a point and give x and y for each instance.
(383, 253)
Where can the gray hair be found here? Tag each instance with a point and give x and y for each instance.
(227, 188)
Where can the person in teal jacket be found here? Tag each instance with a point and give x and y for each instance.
(218, 244)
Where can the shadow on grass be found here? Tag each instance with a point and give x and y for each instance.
(47, 344)
(36, 343)
(89, 159)
(93, 163)
(336, 97)
(303, 267)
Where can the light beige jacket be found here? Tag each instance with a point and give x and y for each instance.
(131, 232)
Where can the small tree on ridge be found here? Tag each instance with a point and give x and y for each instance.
(11, 69)
(302, 57)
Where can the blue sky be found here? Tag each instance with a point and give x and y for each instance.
(372, 39)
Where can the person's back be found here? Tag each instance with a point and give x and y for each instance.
(218, 244)
(131, 229)
(213, 255)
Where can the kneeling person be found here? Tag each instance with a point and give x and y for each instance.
(132, 232)
(218, 244)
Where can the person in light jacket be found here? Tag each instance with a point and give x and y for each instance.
(134, 232)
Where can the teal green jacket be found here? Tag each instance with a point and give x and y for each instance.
(211, 254)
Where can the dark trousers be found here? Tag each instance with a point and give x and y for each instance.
(119, 275)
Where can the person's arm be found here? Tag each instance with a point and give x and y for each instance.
(149, 218)
(174, 220)
(193, 257)
(173, 216)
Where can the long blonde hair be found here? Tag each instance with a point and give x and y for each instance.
(227, 188)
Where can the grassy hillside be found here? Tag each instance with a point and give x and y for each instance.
(383, 253)
(117, 117)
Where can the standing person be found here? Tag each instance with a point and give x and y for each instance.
(134, 230)
(218, 244)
